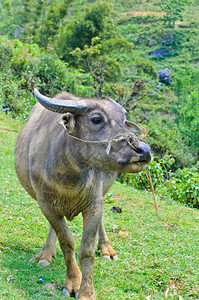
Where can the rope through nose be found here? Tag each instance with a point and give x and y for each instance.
(129, 141)
(128, 137)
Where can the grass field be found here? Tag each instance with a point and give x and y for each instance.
(158, 259)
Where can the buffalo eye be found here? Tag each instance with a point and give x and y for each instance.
(97, 120)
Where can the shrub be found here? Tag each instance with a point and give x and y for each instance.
(184, 187)
(188, 121)
(159, 170)
(24, 66)
(95, 21)
(166, 137)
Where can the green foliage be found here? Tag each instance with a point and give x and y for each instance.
(186, 109)
(188, 120)
(184, 187)
(146, 67)
(34, 21)
(174, 11)
(24, 66)
(159, 170)
(162, 140)
(97, 61)
(183, 80)
(94, 22)
(52, 21)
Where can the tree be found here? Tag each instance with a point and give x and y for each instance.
(42, 19)
(94, 59)
(95, 21)
(99, 61)
(52, 20)
(173, 12)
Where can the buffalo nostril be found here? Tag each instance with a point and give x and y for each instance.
(143, 149)
(144, 152)
(132, 143)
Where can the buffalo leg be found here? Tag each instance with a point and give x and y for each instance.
(91, 220)
(67, 244)
(104, 245)
(45, 256)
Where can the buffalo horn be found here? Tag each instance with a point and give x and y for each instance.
(61, 106)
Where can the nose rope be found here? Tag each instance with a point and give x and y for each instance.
(116, 139)
(130, 139)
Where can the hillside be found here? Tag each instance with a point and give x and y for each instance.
(142, 45)
(115, 48)
(156, 257)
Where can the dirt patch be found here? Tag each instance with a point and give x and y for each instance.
(144, 13)
(148, 13)
(144, 133)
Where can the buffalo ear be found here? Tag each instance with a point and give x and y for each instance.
(133, 127)
(67, 120)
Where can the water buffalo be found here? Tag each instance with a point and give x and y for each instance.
(67, 157)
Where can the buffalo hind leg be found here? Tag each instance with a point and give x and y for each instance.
(67, 244)
(104, 245)
(91, 220)
(44, 257)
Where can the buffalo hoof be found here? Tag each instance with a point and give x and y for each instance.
(106, 251)
(87, 298)
(44, 258)
(115, 257)
(83, 297)
(44, 263)
(66, 293)
(73, 282)
(106, 257)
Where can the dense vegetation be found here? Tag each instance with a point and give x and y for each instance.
(98, 48)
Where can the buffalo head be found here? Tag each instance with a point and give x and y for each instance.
(99, 132)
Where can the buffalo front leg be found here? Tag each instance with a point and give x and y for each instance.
(44, 257)
(104, 245)
(67, 244)
(91, 219)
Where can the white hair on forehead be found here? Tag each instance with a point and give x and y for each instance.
(113, 122)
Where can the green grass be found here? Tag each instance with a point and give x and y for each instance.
(153, 254)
